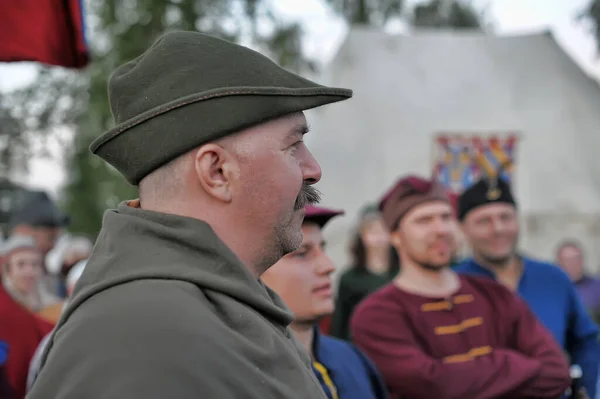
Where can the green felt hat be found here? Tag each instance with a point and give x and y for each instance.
(190, 88)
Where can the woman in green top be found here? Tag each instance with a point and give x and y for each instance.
(374, 264)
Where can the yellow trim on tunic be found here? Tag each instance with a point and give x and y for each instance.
(472, 354)
(458, 328)
(468, 298)
(327, 379)
(446, 305)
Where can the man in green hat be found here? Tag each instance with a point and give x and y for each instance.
(171, 304)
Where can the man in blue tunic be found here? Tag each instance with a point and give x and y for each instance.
(302, 279)
(488, 216)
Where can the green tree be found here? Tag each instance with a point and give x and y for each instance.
(120, 30)
(591, 15)
(366, 12)
(12, 142)
(447, 14)
(32, 113)
(430, 14)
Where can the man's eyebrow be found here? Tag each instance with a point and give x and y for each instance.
(298, 131)
(303, 247)
(301, 129)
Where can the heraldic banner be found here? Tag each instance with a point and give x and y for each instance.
(462, 159)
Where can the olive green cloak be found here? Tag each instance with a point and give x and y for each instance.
(164, 310)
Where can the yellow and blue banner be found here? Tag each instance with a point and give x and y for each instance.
(461, 160)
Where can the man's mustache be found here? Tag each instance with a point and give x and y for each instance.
(308, 196)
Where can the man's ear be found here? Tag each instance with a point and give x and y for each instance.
(462, 227)
(216, 168)
(395, 238)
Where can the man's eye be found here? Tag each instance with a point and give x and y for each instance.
(299, 254)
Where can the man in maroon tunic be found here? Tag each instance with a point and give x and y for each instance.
(436, 335)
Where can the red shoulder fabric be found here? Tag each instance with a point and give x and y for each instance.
(22, 331)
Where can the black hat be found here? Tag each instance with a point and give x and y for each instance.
(38, 210)
(485, 191)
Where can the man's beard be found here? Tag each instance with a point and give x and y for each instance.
(428, 265)
(498, 261)
(286, 239)
(431, 267)
(308, 196)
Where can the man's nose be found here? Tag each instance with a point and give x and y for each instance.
(443, 226)
(497, 226)
(324, 264)
(311, 170)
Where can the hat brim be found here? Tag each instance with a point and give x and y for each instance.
(137, 147)
(321, 216)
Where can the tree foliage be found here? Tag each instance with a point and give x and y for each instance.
(34, 112)
(447, 14)
(430, 14)
(366, 12)
(591, 14)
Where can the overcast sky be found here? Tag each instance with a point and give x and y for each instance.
(324, 33)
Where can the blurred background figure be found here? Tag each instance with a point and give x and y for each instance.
(34, 367)
(570, 257)
(77, 248)
(39, 218)
(374, 264)
(22, 275)
(21, 296)
(490, 220)
(303, 280)
(435, 334)
(74, 275)
(53, 312)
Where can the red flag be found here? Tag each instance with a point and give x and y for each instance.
(46, 31)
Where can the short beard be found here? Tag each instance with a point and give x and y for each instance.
(308, 196)
(284, 242)
(428, 266)
(431, 267)
(499, 262)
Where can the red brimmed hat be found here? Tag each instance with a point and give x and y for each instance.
(407, 193)
(320, 215)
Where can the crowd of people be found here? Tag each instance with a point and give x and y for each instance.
(34, 292)
(216, 282)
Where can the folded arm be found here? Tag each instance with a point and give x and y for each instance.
(411, 372)
(533, 340)
(583, 347)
